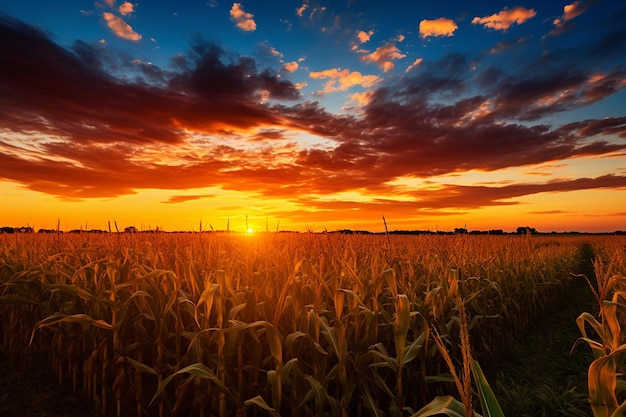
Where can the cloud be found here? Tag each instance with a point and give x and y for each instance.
(242, 19)
(342, 80)
(507, 45)
(384, 56)
(550, 212)
(440, 200)
(76, 98)
(290, 66)
(437, 27)
(575, 9)
(570, 11)
(269, 134)
(364, 36)
(506, 18)
(361, 99)
(110, 3)
(415, 64)
(87, 122)
(184, 198)
(120, 28)
(300, 10)
(532, 98)
(126, 8)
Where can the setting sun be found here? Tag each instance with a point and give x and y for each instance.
(249, 230)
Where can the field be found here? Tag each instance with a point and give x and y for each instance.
(222, 324)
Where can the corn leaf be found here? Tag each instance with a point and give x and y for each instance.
(260, 402)
(198, 370)
(447, 405)
(488, 401)
(620, 411)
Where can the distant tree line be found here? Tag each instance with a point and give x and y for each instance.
(521, 230)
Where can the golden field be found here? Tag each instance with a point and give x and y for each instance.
(223, 324)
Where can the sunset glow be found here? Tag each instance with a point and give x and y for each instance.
(313, 116)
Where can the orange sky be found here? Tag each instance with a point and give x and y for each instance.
(484, 119)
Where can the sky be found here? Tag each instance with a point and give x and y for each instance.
(313, 116)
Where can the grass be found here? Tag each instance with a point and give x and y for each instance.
(536, 375)
(34, 391)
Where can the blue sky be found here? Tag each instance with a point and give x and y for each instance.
(334, 113)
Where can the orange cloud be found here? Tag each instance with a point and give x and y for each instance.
(361, 99)
(242, 19)
(183, 198)
(506, 18)
(290, 66)
(341, 80)
(384, 56)
(364, 36)
(120, 28)
(415, 64)
(126, 8)
(570, 11)
(437, 27)
(300, 10)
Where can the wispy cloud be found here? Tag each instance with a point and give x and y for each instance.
(575, 9)
(184, 198)
(415, 64)
(570, 11)
(300, 10)
(505, 18)
(384, 56)
(120, 28)
(342, 80)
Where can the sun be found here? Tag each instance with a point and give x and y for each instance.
(249, 231)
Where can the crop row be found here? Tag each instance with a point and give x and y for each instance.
(273, 324)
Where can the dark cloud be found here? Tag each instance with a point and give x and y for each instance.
(215, 76)
(481, 196)
(272, 134)
(550, 212)
(445, 200)
(612, 44)
(592, 127)
(95, 123)
(183, 198)
(67, 93)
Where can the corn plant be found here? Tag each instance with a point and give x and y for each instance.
(275, 324)
(609, 349)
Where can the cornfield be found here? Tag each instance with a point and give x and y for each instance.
(283, 324)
